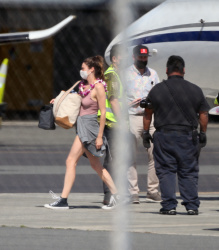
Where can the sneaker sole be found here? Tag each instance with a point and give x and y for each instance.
(168, 213)
(108, 208)
(151, 201)
(55, 208)
(192, 213)
(135, 202)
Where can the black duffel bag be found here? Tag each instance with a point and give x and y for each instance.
(46, 118)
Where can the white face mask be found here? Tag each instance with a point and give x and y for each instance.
(84, 75)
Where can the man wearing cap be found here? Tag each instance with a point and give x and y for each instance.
(139, 80)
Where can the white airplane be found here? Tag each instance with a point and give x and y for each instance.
(189, 28)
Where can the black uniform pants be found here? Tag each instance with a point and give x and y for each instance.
(175, 153)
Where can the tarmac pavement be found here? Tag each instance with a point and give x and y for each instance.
(85, 213)
(23, 219)
(31, 162)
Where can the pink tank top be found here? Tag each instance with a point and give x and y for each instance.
(88, 106)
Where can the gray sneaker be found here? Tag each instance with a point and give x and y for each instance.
(113, 202)
(134, 199)
(153, 197)
(61, 204)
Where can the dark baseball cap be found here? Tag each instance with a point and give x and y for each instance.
(141, 50)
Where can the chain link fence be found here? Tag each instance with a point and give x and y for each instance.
(39, 71)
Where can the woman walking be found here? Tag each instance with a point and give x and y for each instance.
(89, 139)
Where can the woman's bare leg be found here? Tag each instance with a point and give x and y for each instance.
(75, 153)
(102, 172)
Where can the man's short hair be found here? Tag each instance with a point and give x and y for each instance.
(115, 51)
(175, 64)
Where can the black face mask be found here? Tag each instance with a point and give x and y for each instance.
(141, 64)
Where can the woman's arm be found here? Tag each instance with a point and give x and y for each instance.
(101, 99)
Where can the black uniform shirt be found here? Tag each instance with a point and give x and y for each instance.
(188, 95)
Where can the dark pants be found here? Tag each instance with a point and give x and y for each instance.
(107, 164)
(175, 153)
(112, 154)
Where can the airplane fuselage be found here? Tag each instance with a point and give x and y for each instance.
(189, 28)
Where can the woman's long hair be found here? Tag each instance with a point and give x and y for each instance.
(98, 63)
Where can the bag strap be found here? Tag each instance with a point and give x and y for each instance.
(187, 114)
(64, 95)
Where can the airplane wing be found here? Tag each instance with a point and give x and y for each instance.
(32, 36)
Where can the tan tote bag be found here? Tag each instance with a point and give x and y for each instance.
(66, 108)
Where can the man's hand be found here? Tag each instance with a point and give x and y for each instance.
(146, 139)
(202, 139)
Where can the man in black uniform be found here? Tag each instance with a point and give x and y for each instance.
(178, 107)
